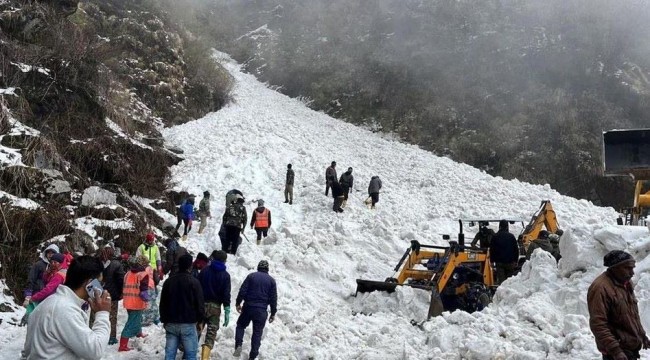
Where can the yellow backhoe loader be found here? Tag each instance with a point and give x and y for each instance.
(458, 276)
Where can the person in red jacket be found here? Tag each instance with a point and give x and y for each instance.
(261, 220)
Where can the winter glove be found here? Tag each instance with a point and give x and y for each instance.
(226, 318)
(271, 319)
(144, 295)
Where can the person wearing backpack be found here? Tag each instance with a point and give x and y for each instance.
(235, 219)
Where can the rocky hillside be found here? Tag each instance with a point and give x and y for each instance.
(85, 88)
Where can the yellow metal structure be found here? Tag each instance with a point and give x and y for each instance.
(543, 218)
(641, 201)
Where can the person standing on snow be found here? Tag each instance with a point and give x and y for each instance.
(174, 252)
(113, 281)
(137, 283)
(235, 219)
(215, 282)
(231, 196)
(35, 278)
(288, 186)
(504, 252)
(373, 190)
(330, 176)
(204, 211)
(346, 181)
(613, 311)
(151, 251)
(179, 212)
(188, 216)
(181, 308)
(261, 220)
(58, 328)
(257, 292)
(199, 264)
(337, 194)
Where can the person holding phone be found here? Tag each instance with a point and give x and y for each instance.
(58, 327)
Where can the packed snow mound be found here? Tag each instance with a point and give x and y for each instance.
(316, 254)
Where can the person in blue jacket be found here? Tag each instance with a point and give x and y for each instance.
(187, 210)
(257, 292)
(215, 282)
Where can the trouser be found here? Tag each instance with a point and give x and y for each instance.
(133, 324)
(504, 271)
(631, 355)
(212, 316)
(258, 317)
(232, 239)
(337, 203)
(112, 316)
(187, 226)
(179, 219)
(184, 334)
(288, 193)
(204, 222)
(150, 315)
(374, 197)
(260, 232)
(327, 187)
(346, 191)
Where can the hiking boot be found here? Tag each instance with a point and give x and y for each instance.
(184, 238)
(237, 352)
(291, 202)
(112, 341)
(205, 352)
(339, 210)
(286, 201)
(259, 242)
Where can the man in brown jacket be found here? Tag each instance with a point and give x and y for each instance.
(613, 311)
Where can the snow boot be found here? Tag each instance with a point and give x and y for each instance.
(259, 242)
(184, 238)
(286, 201)
(291, 202)
(205, 352)
(112, 341)
(124, 344)
(344, 203)
(237, 352)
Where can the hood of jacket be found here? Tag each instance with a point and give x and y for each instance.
(218, 265)
(52, 247)
(260, 209)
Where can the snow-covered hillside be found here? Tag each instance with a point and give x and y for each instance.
(316, 254)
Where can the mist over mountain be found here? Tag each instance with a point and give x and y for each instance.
(521, 89)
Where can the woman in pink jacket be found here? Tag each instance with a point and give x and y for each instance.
(53, 277)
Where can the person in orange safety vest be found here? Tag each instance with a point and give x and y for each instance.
(137, 282)
(261, 220)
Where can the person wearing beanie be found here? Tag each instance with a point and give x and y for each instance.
(149, 249)
(204, 211)
(258, 292)
(181, 308)
(613, 312)
(113, 280)
(504, 252)
(173, 253)
(261, 220)
(215, 282)
(136, 295)
(288, 185)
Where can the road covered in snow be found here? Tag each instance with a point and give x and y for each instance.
(316, 254)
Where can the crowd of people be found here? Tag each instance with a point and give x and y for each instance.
(194, 297)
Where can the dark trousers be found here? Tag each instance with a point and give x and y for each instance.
(187, 226)
(179, 219)
(337, 203)
(327, 187)
(346, 191)
(375, 198)
(258, 317)
(260, 232)
(231, 242)
(504, 271)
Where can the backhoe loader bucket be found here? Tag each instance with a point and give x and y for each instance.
(365, 286)
(627, 152)
(436, 307)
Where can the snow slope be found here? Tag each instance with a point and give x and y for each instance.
(316, 254)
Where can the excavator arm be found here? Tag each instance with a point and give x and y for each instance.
(544, 217)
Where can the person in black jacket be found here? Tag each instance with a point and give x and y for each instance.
(504, 252)
(257, 292)
(346, 181)
(174, 252)
(181, 308)
(215, 282)
(337, 194)
(113, 277)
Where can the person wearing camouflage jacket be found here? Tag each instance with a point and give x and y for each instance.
(346, 181)
(542, 242)
(235, 219)
(330, 176)
(204, 211)
(288, 186)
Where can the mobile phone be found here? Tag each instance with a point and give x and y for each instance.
(93, 286)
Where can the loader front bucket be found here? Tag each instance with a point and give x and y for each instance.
(364, 286)
(627, 152)
(435, 306)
